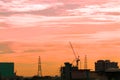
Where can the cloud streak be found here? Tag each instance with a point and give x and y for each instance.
(5, 48)
(33, 51)
(79, 12)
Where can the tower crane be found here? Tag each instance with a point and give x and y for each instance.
(76, 56)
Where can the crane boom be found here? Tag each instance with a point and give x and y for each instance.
(73, 50)
(77, 58)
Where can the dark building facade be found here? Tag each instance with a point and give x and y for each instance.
(103, 65)
(6, 69)
(104, 70)
(69, 72)
(66, 71)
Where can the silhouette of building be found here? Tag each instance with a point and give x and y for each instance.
(104, 70)
(69, 72)
(66, 71)
(113, 74)
(6, 69)
(103, 65)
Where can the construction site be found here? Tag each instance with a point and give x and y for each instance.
(104, 70)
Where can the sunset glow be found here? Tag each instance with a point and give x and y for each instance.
(29, 29)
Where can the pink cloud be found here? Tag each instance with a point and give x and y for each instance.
(98, 12)
(106, 35)
(58, 12)
(25, 6)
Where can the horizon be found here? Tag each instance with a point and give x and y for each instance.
(80, 67)
(29, 29)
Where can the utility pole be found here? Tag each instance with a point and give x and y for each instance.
(39, 67)
(85, 63)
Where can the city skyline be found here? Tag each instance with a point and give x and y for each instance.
(29, 29)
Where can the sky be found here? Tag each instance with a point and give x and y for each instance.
(33, 28)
